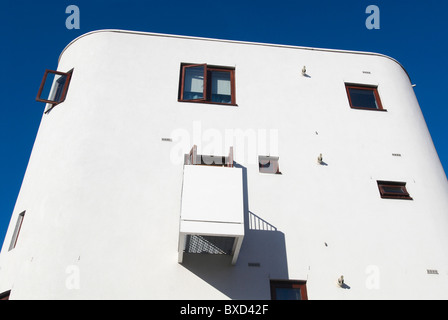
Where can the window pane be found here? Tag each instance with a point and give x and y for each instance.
(194, 83)
(288, 294)
(363, 98)
(53, 87)
(212, 160)
(264, 163)
(221, 88)
(58, 88)
(268, 164)
(392, 189)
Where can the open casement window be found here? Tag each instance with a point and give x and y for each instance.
(393, 190)
(207, 84)
(288, 290)
(5, 295)
(54, 86)
(268, 164)
(193, 158)
(364, 97)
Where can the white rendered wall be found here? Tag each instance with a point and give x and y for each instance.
(102, 191)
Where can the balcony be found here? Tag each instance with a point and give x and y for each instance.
(212, 208)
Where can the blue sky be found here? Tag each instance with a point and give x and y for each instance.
(33, 34)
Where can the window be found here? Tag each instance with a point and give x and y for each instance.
(5, 295)
(54, 86)
(288, 290)
(363, 97)
(268, 164)
(15, 235)
(393, 190)
(207, 84)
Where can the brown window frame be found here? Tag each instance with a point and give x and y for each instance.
(273, 168)
(289, 284)
(383, 185)
(63, 93)
(374, 89)
(207, 87)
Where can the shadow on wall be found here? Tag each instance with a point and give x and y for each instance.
(262, 257)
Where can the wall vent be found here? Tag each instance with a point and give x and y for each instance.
(254, 264)
(432, 271)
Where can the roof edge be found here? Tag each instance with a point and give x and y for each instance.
(233, 41)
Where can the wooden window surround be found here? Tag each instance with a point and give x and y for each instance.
(207, 84)
(364, 97)
(288, 290)
(393, 190)
(193, 158)
(54, 86)
(268, 164)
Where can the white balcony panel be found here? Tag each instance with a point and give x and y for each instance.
(212, 205)
(213, 194)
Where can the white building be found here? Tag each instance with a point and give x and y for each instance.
(327, 170)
